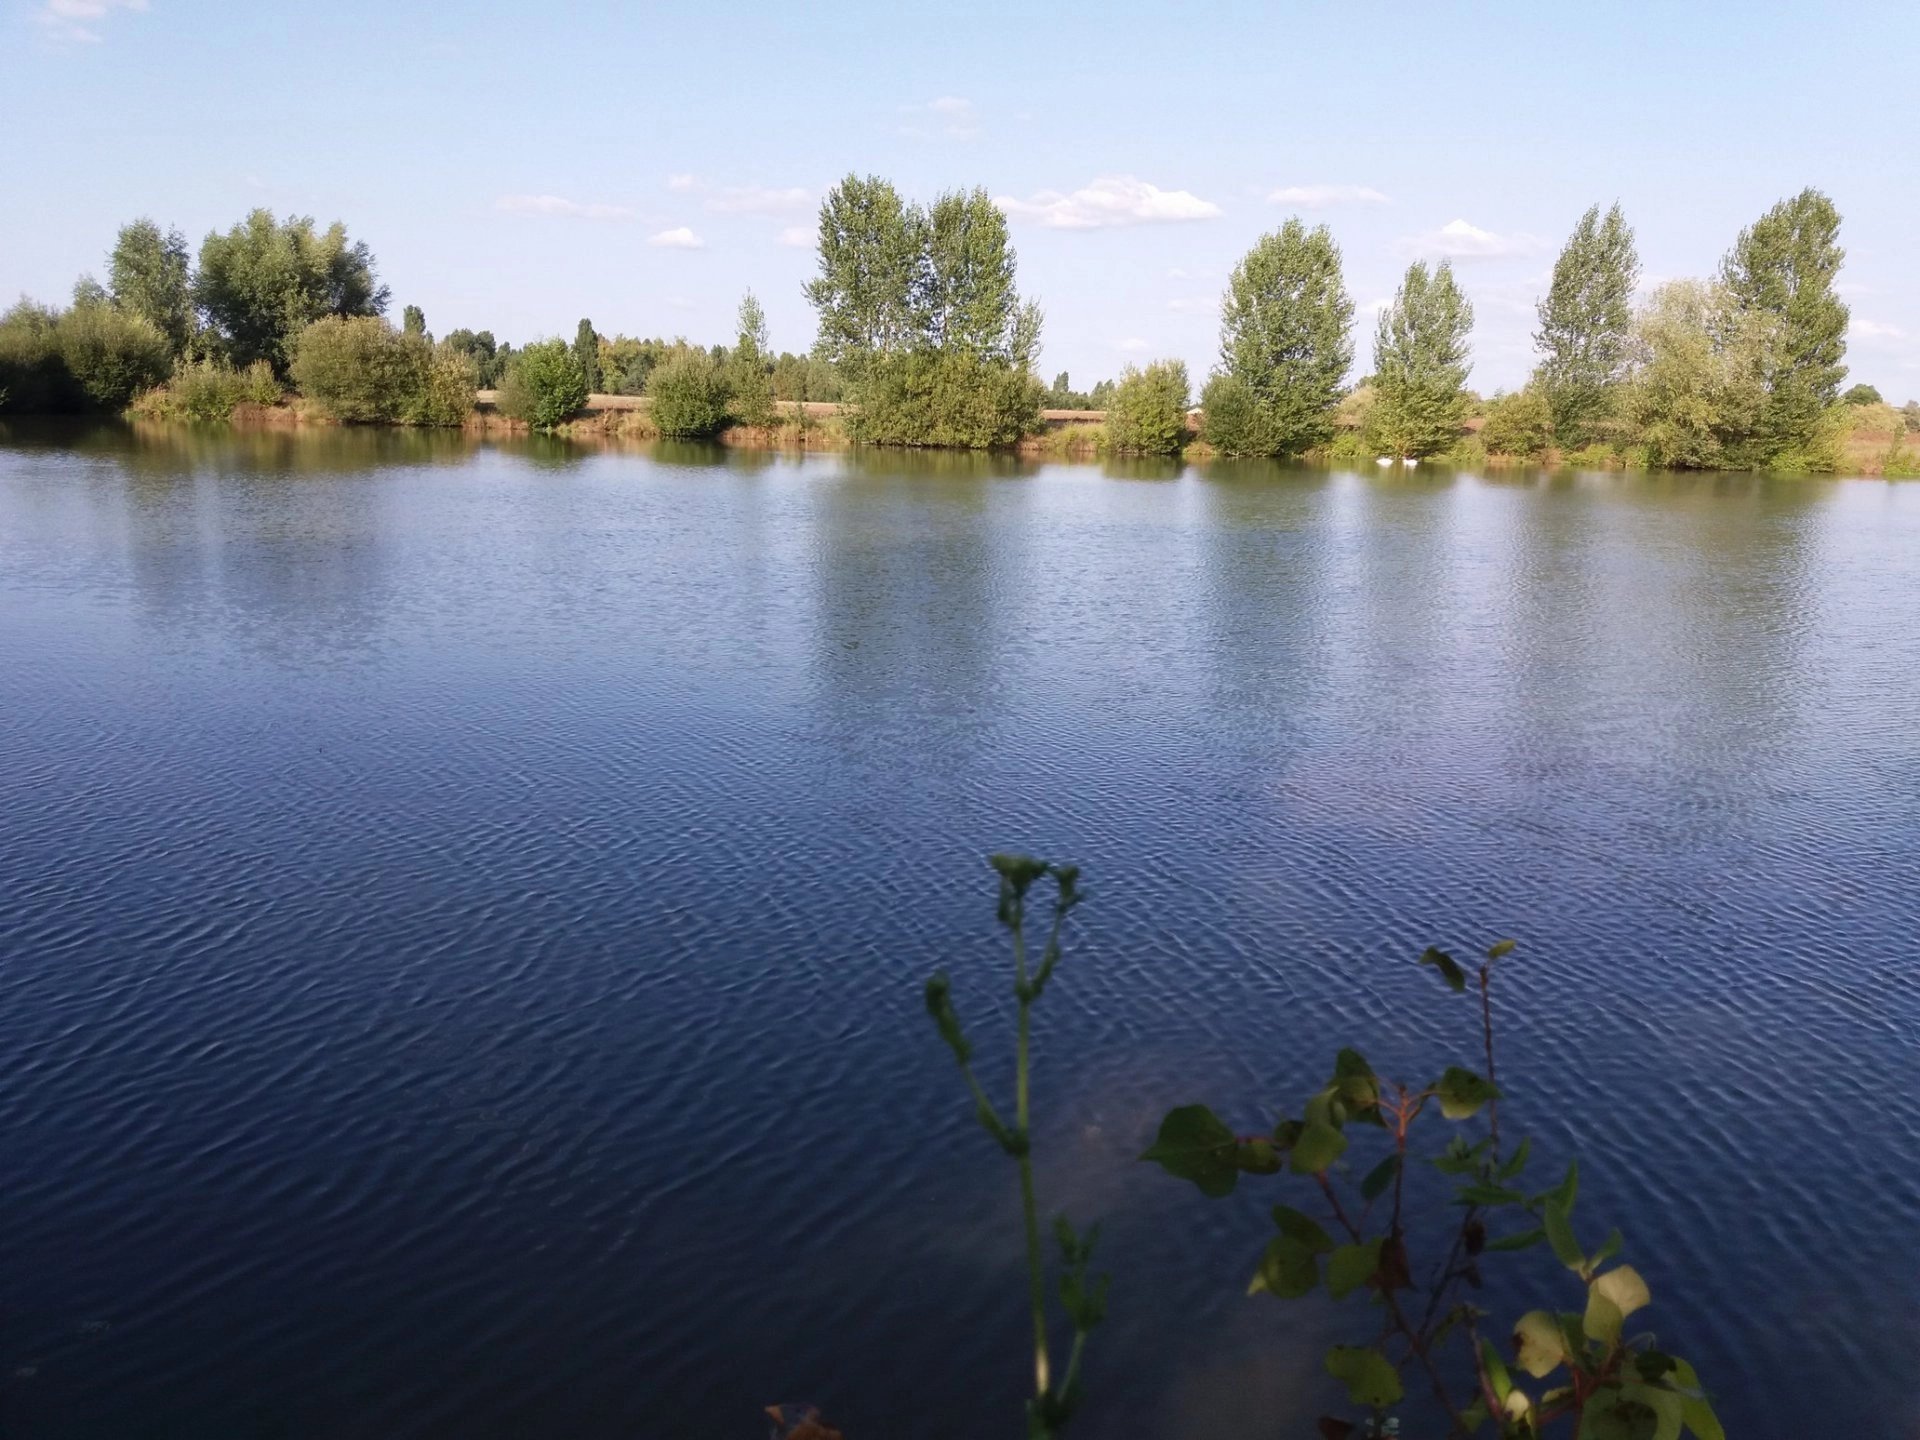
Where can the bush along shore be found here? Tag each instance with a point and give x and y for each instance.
(924, 339)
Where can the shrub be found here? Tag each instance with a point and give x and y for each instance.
(358, 368)
(259, 385)
(1148, 412)
(1862, 395)
(690, 395)
(1597, 456)
(204, 390)
(33, 373)
(1349, 447)
(1232, 420)
(543, 385)
(447, 380)
(946, 398)
(1519, 425)
(110, 354)
(1468, 453)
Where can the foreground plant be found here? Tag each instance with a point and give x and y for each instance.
(1084, 1301)
(1610, 1385)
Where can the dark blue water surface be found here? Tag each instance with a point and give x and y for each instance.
(462, 914)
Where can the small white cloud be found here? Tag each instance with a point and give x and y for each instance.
(1459, 240)
(1132, 345)
(679, 238)
(1108, 201)
(681, 183)
(1320, 197)
(758, 200)
(798, 237)
(1874, 330)
(560, 205)
(1193, 304)
(955, 117)
(79, 20)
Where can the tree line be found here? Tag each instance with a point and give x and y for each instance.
(923, 331)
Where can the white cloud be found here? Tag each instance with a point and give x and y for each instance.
(1133, 345)
(1874, 330)
(1109, 200)
(1319, 197)
(758, 200)
(798, 237)
(681, 183)
(955, 117)
(1459, 240)
(679, 238)
(560, 205)
(79, 20)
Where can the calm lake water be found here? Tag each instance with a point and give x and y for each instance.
(462, 915)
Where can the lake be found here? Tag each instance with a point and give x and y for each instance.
(463, 912)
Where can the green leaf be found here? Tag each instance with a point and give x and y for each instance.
(1696, 1410)
(1460, 1158)
(1606, 1252)
(1448, 967)
(1568, 1189)
(1319, 1146)
(1462, 1093)
(1288, 1269)
(1500, 949)
(1368, 1375)
(1517, 1162)
(939, 998)
(1351, 1266)
(1258, 1156)
(1380, 1177)
(1538, 1346)
(1560, 1236)
(1354, 1080)
(1609, 1415)
(1488, 1195)
(1603, 1318)
(1496, 1369)
(1623, 1286)
(1668, 1408)
(1193, 1144)
(1520, 1240)
(1303, 1228)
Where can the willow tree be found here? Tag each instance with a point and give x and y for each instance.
(1420, 364)
(1285, 345)
(1585, 337)
(265, 281)
(147, 274)
(1783, 268)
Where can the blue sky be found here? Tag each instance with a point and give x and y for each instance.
(516, 167)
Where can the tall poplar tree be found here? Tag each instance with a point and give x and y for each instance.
(1420, 360)
(586, 354)
(750, 380)
(964, 292)
(870, 254)
(1783, 267)
(147, 275)
(1284, 337)
(1586, 325)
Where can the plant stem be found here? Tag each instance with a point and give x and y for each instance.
(1486, 1030)
(1036, 1277)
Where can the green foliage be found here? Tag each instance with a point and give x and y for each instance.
(1519, 425)
(413, 323)
(945, 398)
(805, 378)
(963, 292)
(1420, 365)
(444, 397)
(543, 385)
(1054, 1398)
(477, 347)
(359, 369)
(263, 282)
(749, 376)
(870, 248)
(1699, 388)
(1782, 269)
(691, 398)
(1862, 395)
(147, 274)
(1349, 447)
(586, 354)
(1422, 1313)
(1284, 340)
(1148, 412)
(1586, 323)
(1231, 418)
(91, 357)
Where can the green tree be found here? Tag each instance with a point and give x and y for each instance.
(478, 347)
(1284, 337)
(263, 282)
(1420, 364)
(358, 369)
(1519, 425)
(1698, 394)
(543, 385)
(111, 355)
(749, 378)
(690, 395)
(964, 293)
(1783, 267)
(1148, 412)
(870, 253)
(1863, 395)
(945, 399)
(586, 354)
(1586, 325)
(147, 273)
(413, 321)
